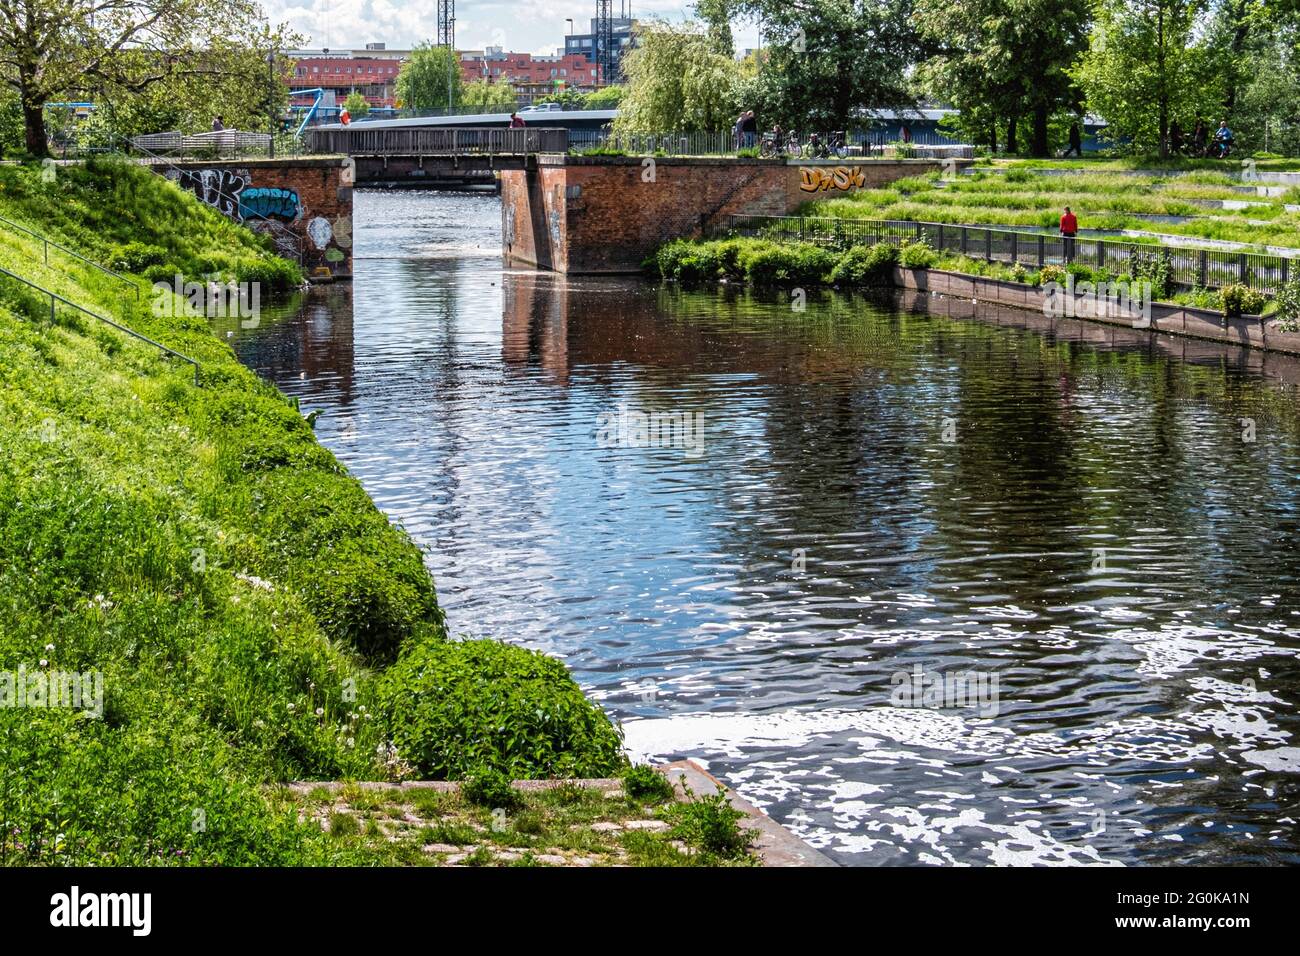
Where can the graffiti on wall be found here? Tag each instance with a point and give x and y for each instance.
(824, 178)
(219, 188)
(271, 202)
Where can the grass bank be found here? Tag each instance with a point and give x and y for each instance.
(1104, 195)
(251, 616)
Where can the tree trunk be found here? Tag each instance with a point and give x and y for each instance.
(1012, 123)
(1038, 147)
(34, 127)
(993, 137)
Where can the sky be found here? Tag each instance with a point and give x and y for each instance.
(525, 26)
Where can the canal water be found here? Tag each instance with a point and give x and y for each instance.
(929, 589)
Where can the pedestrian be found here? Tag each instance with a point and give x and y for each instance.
(218, 125)
(1076, 141)
(750, 128)
(738, 130)
(344, 116)
(1199, 135)
(1069, 228)
(517, 121)
(1175, 138)
(905, 133)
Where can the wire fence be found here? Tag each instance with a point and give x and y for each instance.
(1187, 266)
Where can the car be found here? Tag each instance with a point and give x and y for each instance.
(543, 108)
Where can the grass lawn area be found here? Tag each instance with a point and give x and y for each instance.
(567, 825)
(1101, 194)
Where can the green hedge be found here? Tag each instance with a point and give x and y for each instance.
(451, 708)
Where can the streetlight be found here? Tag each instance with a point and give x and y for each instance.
(569, 21)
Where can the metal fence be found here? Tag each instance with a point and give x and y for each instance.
(860, 144)
(228, 142)
(1188, 267)
(434, 141)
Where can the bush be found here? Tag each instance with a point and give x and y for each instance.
(1051, 273)
(1239, 299)
(275, 274)
(710, 825)
(453, 707)
(916, 254)
(770, 263)
(646, 784)
(865, 265)
(487, 787)
(1288, 305)
(137, 256)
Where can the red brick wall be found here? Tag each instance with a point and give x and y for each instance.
(309, 198)
(588, 215)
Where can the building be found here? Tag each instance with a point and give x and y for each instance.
(533, 78)
(584, 44)
(372, 73)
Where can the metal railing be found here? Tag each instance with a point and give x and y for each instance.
(48, 242)
(860, 144)
(438, 141)
(1188, 266)
(228, 142)
(55, 299)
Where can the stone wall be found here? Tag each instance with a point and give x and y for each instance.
(304, 204)
(607, 214)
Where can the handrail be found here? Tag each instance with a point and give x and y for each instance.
(55, 297)
(76, 255)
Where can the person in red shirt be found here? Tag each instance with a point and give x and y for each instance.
(1069, 227)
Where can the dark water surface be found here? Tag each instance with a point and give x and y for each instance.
(1075, 514)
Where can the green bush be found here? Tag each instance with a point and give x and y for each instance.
(1288, 304)
(1239, 299)
(865, 265)
(645, 784)
(916, 254)
(137, 256)
(1051, 273)
(488, 787)
(452, 707)
(710, 825)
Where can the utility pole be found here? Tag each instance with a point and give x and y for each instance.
(447, 38)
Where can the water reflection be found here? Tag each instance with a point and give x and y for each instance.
(884, 484)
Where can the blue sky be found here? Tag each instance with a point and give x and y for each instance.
(532, 26)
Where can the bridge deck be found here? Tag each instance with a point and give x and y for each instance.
(439, 142)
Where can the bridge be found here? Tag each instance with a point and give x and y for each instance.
(443, 157)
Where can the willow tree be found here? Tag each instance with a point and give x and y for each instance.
(430, 79)
(106, 50)
(678, 80)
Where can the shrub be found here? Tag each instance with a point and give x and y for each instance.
(1051, 273)
(488, 787)
(782, 264)
(646, 784)
(450, 707)
(1239, 299)
(1019, 273)
(136, 256)
(274, 274)
(711, 825)
(916, 254)
(1288, 305)
(865, 265)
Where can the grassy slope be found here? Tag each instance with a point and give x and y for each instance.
(1027, 198)
(197, 546)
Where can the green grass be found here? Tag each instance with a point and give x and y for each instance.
(1103, 199)
(237, 589)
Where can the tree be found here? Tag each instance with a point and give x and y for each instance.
(677, 81)
(827, 60)
(1146, 66)
(356, 105)
(430, 79)
(490, 97)
(1004, 60)
(113, 50)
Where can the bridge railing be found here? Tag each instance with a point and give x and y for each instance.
(438, 141)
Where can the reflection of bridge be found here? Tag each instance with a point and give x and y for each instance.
(437, 156)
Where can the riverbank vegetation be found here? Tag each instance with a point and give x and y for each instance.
(240, 597)
(1196, 204)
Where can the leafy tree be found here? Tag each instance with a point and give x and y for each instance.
(605, 98)
(1146, 66)
(1266, 113)
(356, 105)
(829, 59)
(490, 97)
(113, 50)
(1004, 59)
(430, 79)
(677, 82)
